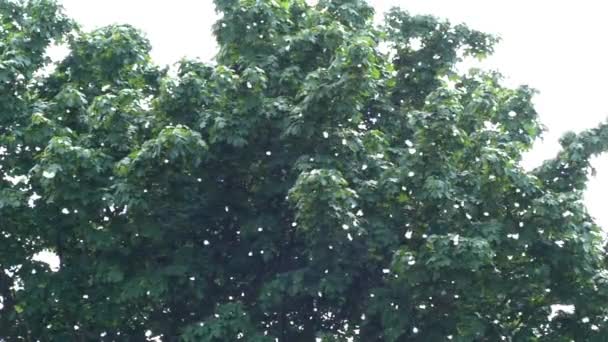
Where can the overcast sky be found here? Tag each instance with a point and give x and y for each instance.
(557, 47)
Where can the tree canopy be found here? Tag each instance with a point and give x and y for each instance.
(323, 179)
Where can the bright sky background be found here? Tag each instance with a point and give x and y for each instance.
(557, 47)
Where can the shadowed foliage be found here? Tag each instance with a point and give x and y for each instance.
(325, 179)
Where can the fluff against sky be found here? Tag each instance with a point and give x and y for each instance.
(557, 47)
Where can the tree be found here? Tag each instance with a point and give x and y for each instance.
(324, 179)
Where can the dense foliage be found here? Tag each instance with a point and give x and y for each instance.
(323, 179)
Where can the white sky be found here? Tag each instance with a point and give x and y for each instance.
(557, 47)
